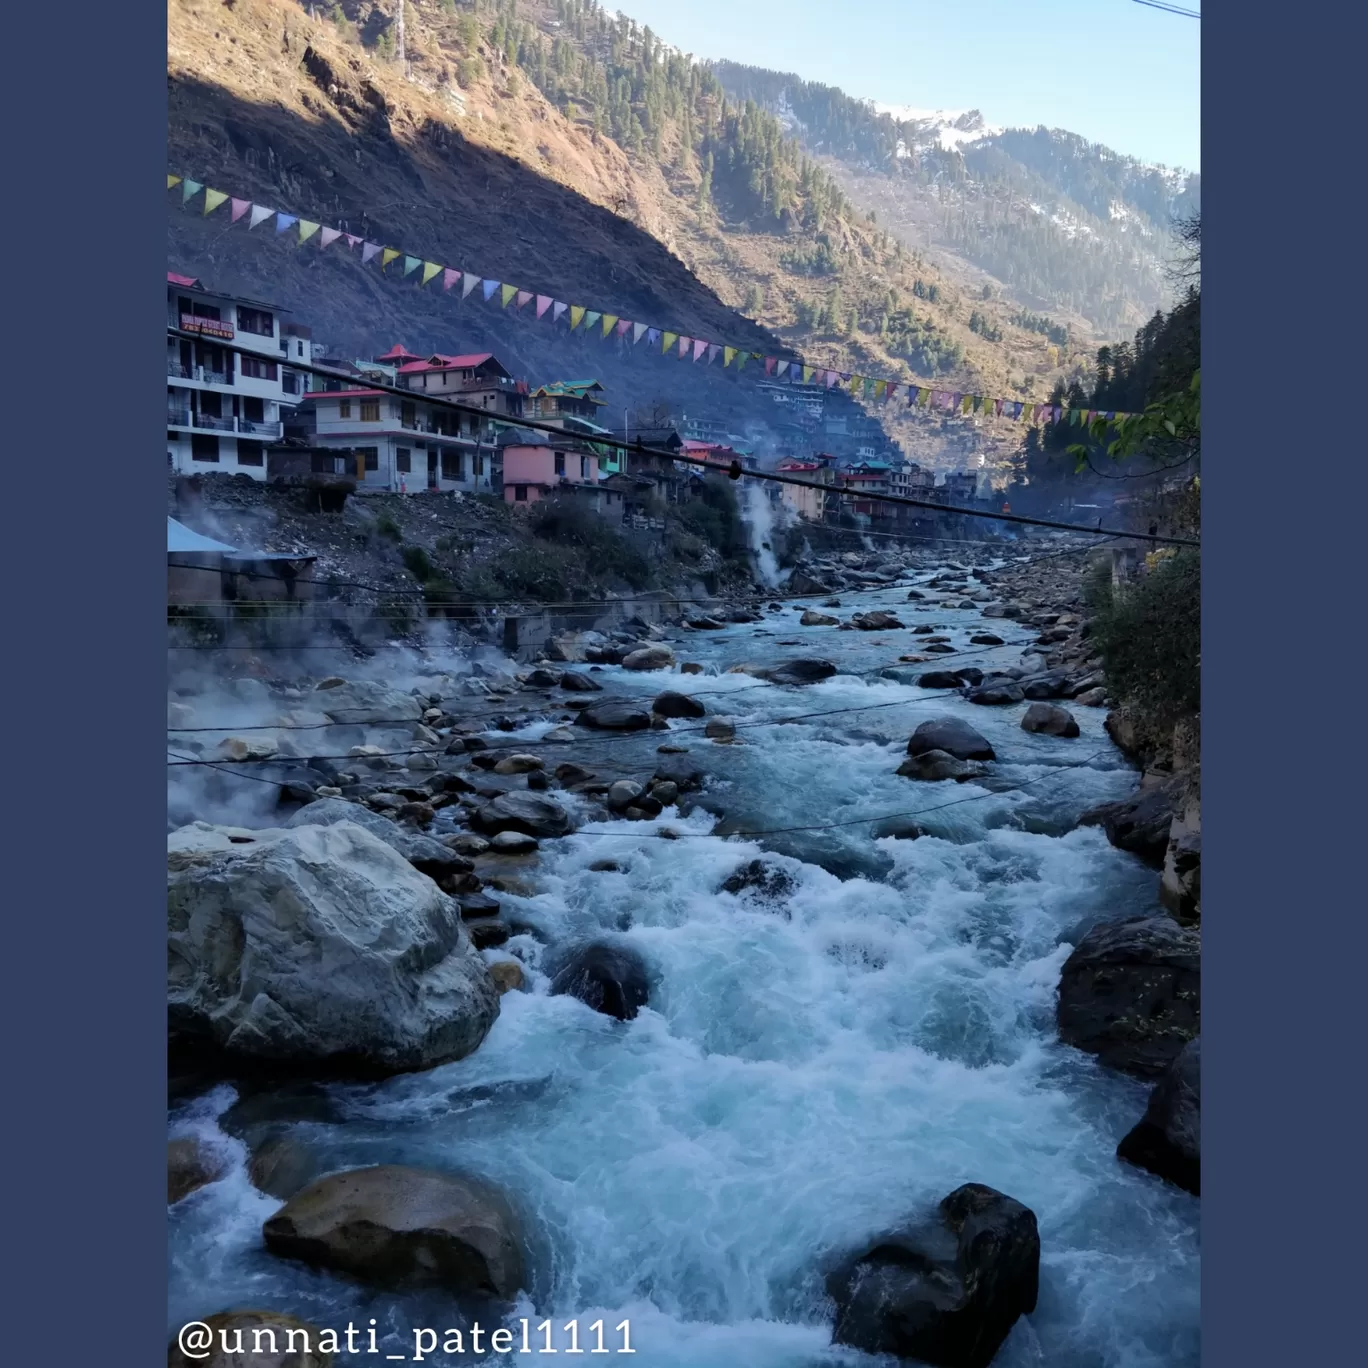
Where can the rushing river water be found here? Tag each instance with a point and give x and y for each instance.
(805, 1076)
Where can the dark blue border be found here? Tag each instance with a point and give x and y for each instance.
(84, 684)
(1284, 531)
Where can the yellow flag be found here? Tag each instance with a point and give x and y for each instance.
(856, 383)
(807, 374)
(608, 321)
(667, 340)
(727, 354)
(879, 387)
(172, 181)
(306, 230)
(430, 269)
(967, 403)
(212, 200)
(576, 316)
(506, 292)
(923, 395)
(387, 256)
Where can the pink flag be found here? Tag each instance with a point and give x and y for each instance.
(699, 347)
(769, 365)
(888, 393)
(239, 207)
(328, 236)
(684, 343)
(543, 303)
(997, 408)
(621, 329)
(521, 298)
(370, 251)
(449, 278)
(352, 239)
(831, 378)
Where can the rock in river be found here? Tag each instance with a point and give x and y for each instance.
(615, 715)
(934, 765)
(319, 946)
(649, 658)
(1131, 993)
(1168, 1138)
(576, 681)
(944, 1290)
(673, 704)
(522, 811)
(812, 618)
(393, 1225)
(1049, 720)
(608, 978)
(952, 736)
(876, 621)
(801, 671)
(996, 691)
(431, 857)
(1139, 824)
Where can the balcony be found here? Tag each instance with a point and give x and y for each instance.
(255, 428)
(177, 417)
(207, 420)
(176, 371)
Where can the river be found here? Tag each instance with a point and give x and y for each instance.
(807, 1074)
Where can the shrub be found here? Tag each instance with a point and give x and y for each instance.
(418, 563)
(606, 552)
(386, 527)
(1149, 634)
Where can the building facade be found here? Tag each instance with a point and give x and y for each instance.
(535, 467)
(224, 408)
(399, 445)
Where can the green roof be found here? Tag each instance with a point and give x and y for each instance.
(574, 389)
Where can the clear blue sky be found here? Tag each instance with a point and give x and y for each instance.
(1117, 72)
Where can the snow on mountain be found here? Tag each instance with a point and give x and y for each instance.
(950, 127)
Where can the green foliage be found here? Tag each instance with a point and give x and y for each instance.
(819, 260)
(418, 563)
(930, 293)
(607, 553)
(929, 350)
(386, 527)
(468, 31)
(1149, 635)
(755, 300)
(714, 517)
(979, 324)
(1038, 323)
(469, 70)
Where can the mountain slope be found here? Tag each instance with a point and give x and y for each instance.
(462, 156)
(1058, 222)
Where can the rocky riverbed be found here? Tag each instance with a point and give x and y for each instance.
(687, 974)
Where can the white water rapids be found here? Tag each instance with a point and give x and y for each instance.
(805, 1076)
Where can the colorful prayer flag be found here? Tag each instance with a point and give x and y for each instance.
(430, 269)
(284, 222)
(189, 189)
(238, 208)
(449, 278)
(328, 236)
(609, 321)
(306, 230)
(638, 332)
(259, 215)
(487, 288)
(389, 254)
(543, 303)
(522, 297)
(506, 292)
(576, 314)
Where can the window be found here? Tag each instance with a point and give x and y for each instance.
(253, 408)
(198, 310)
(370, 457)
(370, 410)
(258, 369)
(584, 467)
(256, 321)
(251, 453)
(451, 465)
(204, 447)
(344, 408)
(403, 460)
(299, 349)
(173, 436)
(408, 414)
(520, 493)
(289, 382)
(560, 463)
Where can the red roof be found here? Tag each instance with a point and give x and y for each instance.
(439, 362)
(798, 465)
(188, 282)
(398, 353)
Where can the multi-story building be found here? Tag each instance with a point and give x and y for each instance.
(809, 504)
(537, 465)
(223, 407)
(401, 445)
(478, 379)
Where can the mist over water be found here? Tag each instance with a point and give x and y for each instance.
(763, 523)
(808, 1073)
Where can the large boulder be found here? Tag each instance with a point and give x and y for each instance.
(1131, 993)
(995, 692)
(190, 1164)
(576, 681)
(253, 1339)
(812, 618)
(362, 702)
(801, 671)
(1180, 885)
(950, 679)
(765, 880)
(1049, 684)
(430, 857)
(609, 978)
(614, 715)
(944, 1290)
(673, 704)
(876, 621)
(1048, 719)
(522, 811)
(935, 765)
(649, 658)
(1140, 824)
(392, 1226)
(682, 773)
(320, 947)
(1167, 1140)
(952, 736)
(801, 583)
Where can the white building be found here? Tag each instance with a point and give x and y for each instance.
(402, 445)
(223, 408)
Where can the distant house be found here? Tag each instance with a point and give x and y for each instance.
(565, 398)
(809, 504)
(201, 571)
(477, 378)
(536, 466)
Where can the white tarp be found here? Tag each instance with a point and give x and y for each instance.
(180, 538)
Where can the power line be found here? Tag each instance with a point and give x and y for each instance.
(735, 471)
(1170, 9)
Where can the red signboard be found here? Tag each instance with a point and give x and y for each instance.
(210, 327)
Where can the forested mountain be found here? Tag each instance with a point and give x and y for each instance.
(1057, 221)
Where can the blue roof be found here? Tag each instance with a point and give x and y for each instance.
(180, 538)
